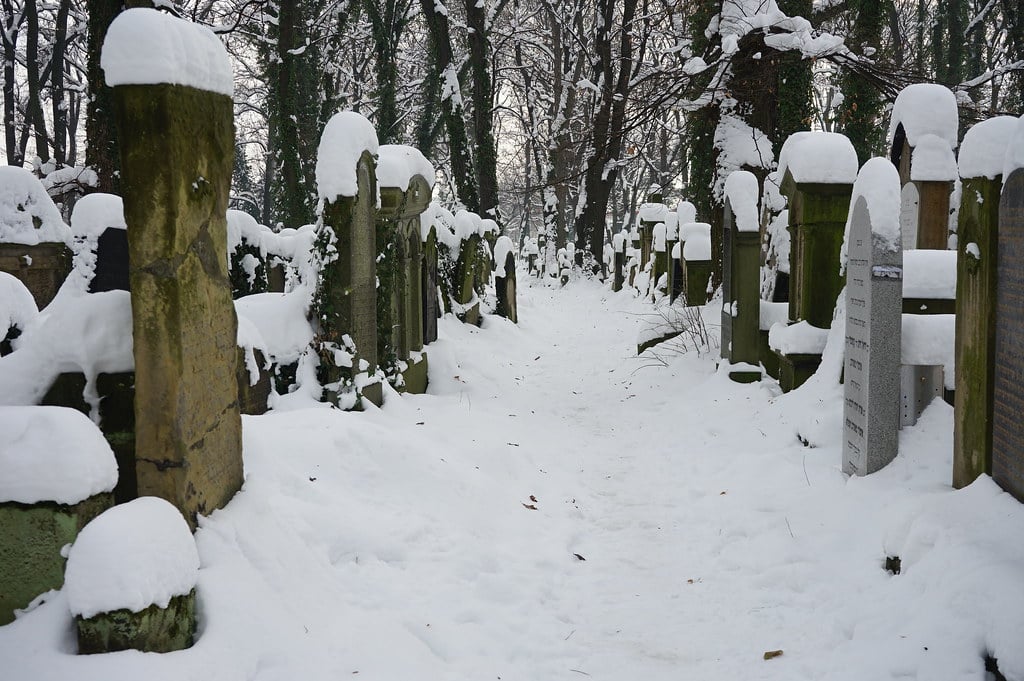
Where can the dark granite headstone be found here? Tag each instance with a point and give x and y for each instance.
(1008, 396)
(111, 273)
(871, 385)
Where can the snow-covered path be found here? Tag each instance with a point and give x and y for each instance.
(558, 508)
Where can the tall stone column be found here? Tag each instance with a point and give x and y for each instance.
(177, 144)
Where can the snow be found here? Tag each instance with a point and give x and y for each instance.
(397, 164)
(694, 229)
(697, 247)
(878, 184)
(243, 227)
(686, 213)
(929, 274)
(932, 160)
(927, 340)
(772, 314)
(739, 145)
(1014, 151)
(354, 531)
(619, 241)
(983, 151)
(91, 334)
(280, 321)
(440, 219)
(926, 109)
(346, 136)
(467, 224)
(147, 47)
(658, 237)
(652, 212)
(742, 192)
(27, 213)
(52, 454)
(94, 214)
(676, 251)
(820, 157)
(17, 306)
(797, 339)
(131, 556)
(502, 247)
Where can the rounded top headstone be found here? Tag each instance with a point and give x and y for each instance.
(741, 190)
(686, 212)
(878, 184)
(397, 164)
(144, 46)
(96, 213)
(346, 137)
(925, 109)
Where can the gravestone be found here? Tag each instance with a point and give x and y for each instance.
(741, 308)
(111, 273)
(177, 145)
(619, 260)
(1008, 391)
(345, 303)
(505, 289)
(428, 274)
(871, 384)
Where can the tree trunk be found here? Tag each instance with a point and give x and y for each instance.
(101, 150)
(483, 102)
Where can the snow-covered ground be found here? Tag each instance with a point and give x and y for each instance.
(558, 508)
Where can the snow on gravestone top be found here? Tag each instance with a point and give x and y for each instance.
(742, 192)
(1015, 151)
(243, 227)
(442, 221)
(694, 229)
(27, 213)
(672, 226)
(502, 247)
(824, 157)
(619, 240)
(929, 274)
(660, 233)
(130, 557)
(933, 160)
(686, 213)
(146, 47)
(879, 184)
(923, 109)
(652, 212)
(397, 164)
(52, 454)
(17, 306)
(984, 149)
(697, 247)
(467, 224)
(96, 213)
(346, 136)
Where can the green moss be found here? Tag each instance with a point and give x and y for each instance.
(152, 630)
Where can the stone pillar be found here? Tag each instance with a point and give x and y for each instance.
(741, 306)
(505, 289)
(926, 202)
(1008, 390)
(176, 151)
(619, 260)
(817, 220)
(871, 386)
(428, 272)
(346, 299)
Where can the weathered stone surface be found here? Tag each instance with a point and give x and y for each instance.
(871, 383)
(741, 308)
(1008, 390)
(252, 398)
(817, 220)
(975, 329)
(153, 630)
(415, 377)
(176, 175)
(428, 277)
(111, 273)
(31, 538)
(347, 294)
(505, 288)
(42, 268)
(618, 266)
(696, 273)
(794, 369)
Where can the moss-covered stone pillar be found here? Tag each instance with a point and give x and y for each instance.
(817, 220)
(345, 303)
(741, 307)
(978, 239)
(176, 162)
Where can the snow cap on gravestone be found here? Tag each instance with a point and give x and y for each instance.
(933, 160)
(346, 136)
(687, 212)
(24, 204)
(94, 214)
(144, 46)
(984, 149)
(818, 157)
(742, 191)
(926, 109)
(1015, 152)
(879, 184)
(397, 164)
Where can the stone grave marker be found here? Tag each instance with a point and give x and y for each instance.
(871, 384)
(505, 280)
(740, 277)
(1008, 392)
(176, 163)
(428, 274)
